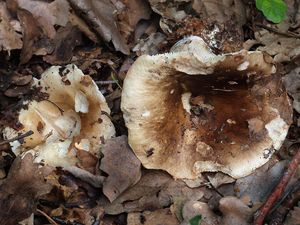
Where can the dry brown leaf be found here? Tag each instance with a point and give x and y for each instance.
(221, 11)
(65, 40)
(292, 85)
(121, 165)
(235, 211)
(86, 216)
(20, 191)
(219, 179)
(82, 26)
(277, 39)
(33, 37)
(28, 221)
(9, 38)
(155, 190)
(158, 217)
(130, 13)
(293, 217)
(257, 186)
(47, 14)
(87, 161)
(194, 208)
(94, 180)
(100, 14)
(151, 45)
(169, 9)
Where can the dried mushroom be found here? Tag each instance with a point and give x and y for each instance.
(190, 111)
(74, 116)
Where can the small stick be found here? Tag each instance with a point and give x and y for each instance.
(47, 217)
(278, 190)
(106, 82)
(28, 133)
(289, 34)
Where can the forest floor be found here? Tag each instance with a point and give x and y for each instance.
(111, 186)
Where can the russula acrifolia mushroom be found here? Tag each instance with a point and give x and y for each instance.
(191, 111)
(74, 116)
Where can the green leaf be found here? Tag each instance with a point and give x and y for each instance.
(273, 10)
(195, 220)
(259, 4)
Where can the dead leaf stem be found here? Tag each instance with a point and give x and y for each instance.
(28, 133)
(47, 217)
(288, 34)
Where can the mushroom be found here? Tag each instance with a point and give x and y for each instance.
(74, 116)
(191, 111)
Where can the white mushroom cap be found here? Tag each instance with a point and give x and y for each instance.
(191, 111)
(75, 110)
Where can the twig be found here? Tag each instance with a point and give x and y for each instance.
(107, 82)
(47, 217)
(290, 200)
(278, 190)
(288, 34)
(28, 133)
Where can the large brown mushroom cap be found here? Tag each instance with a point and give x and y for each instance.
(191, 111)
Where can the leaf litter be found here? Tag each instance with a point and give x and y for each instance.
(109, 185)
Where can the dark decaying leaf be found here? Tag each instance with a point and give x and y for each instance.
(161, 216)
(259, 184)
(129, 14)
(221, 11)
(21, 190)
(293, 217)
(9, 38)
(235, 211)
(94, 180)
(194, 212)
(33, 37)
(65, 40)
(100, 14)
(121, 165)
(87, 161)
(47, 13)
(155, 190)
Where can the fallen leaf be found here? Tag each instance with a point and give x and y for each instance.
(235, 211)
(75, 215)
(87, 161)
(193, 208)
(219, 178)
(28, 221)
(292, 84)
(155, 190)
(65, 40)
(129, 13)
(257, 186)
(121, 165)
(221, 11)
(293, 217)
(282, 40)
(169, 9)
(21, 190)
(82, 26)
(47, 14)
(151, 45)
(9, 38)
(94, 180)
(101, 15)
(157, 217)
(33, 36)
